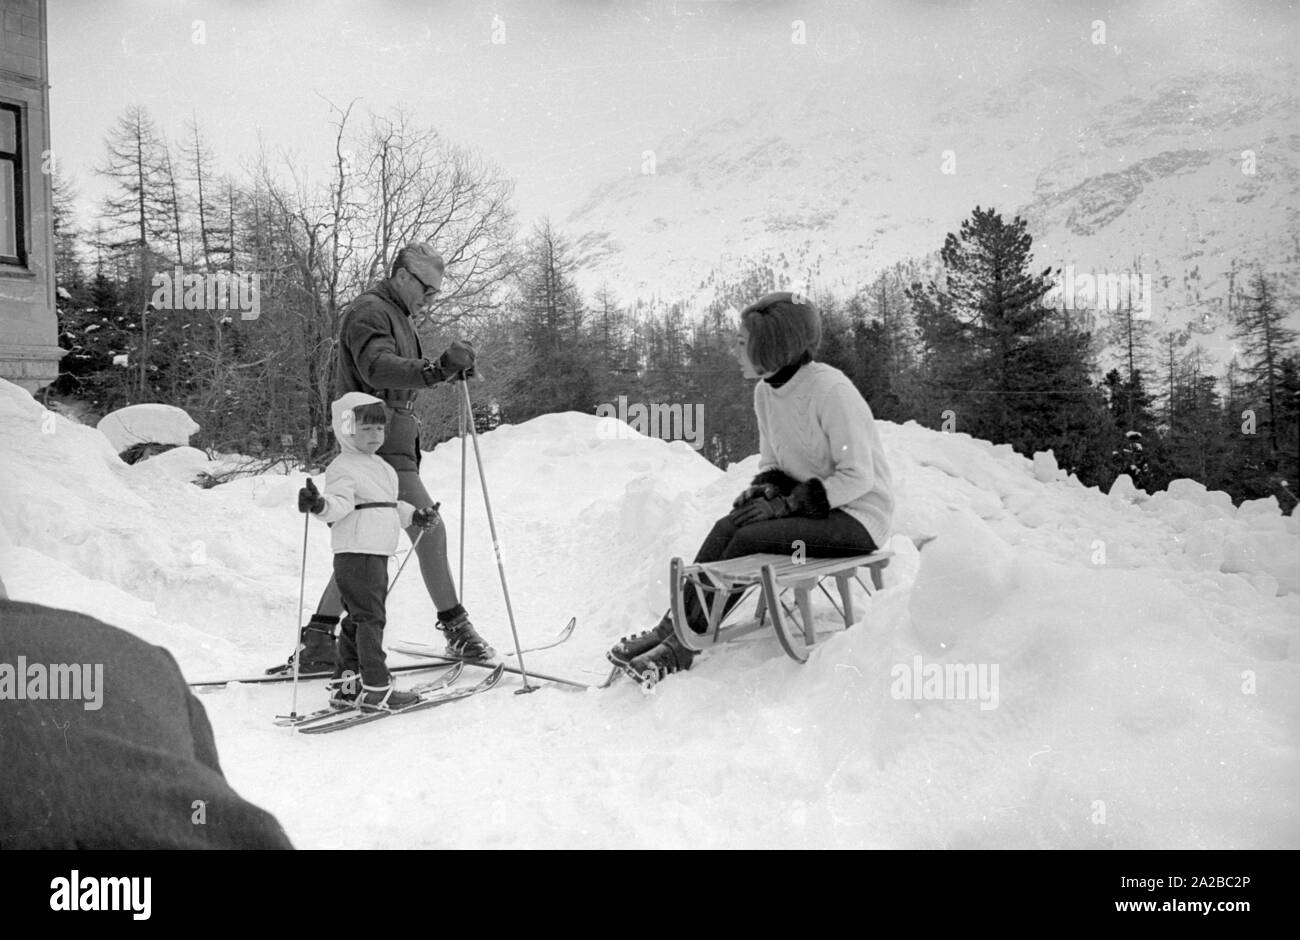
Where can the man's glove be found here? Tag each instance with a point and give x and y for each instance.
(310, 499)
(760, 509)
(457, 362)
(427, 518)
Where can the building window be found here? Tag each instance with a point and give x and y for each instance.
(11, 185)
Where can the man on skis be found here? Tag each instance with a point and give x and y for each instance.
(379, 353)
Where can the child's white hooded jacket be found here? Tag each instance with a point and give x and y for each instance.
(353, 478)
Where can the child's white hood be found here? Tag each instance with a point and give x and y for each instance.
(342, 407)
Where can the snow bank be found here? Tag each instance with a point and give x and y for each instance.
(179, 463)
(1133, 662)
(194, 555)
(147, 424)
(1124, 489)
(968, 574)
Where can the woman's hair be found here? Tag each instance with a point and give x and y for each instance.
(370, 413)
(780, 330)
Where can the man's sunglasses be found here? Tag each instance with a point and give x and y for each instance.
(428, 289)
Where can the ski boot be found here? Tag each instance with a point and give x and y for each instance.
(344, 689)
(317, 656)
(629, 648)
(385, 698)
(463, 641)
(668, 657)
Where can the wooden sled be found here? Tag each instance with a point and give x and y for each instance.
(772, 575)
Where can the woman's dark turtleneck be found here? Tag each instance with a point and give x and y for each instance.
(786, 373)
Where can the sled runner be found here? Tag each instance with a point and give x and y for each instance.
(771, 575)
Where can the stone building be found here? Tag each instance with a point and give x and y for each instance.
(29, 349)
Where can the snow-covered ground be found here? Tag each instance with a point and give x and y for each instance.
(1146, 652)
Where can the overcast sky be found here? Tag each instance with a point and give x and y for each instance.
(579, 88)
(573, 95)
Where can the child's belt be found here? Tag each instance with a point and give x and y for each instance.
(375, 506)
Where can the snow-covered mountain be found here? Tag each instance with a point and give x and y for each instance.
(1190, 179)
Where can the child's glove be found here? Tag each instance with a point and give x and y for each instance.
(427, 518)
(310, 499)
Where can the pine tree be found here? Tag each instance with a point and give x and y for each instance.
(1130, 335)
(1197, 441)
(1130, 402)
(713, 380)
(1130, 409)
(837, 346)
(68, 269)
(136, 210)
(198, 163)
(1171, 342)
(887, 305)
(1012, 369)
(1287, 489)
(870, 364)
(557, 374)
(95, 330)
(607, 321)
(172, 204)
(1266, 341)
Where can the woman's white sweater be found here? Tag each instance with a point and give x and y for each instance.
(818, 425)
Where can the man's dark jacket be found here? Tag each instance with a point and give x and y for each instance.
(380, 354)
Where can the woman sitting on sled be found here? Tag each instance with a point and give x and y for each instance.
(822, 480)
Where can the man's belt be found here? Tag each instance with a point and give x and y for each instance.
(406, 409)
(375, 506)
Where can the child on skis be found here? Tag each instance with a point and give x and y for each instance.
(360, 502)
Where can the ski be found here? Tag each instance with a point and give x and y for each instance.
(205, 684)
(444, 680)
(433, 685)
(429, 649)
(416, 649)
(293, 721)
(560, 637)
(645, 680)
(355, 717)
(411, 650)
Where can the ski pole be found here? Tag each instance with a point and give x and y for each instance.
(460, 578)
(496, 547)
(297, 628)
(415, 543)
